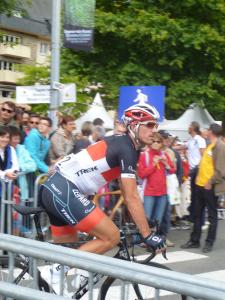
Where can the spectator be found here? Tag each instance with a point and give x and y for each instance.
(119, 128)
(83, 141)
(8, 159)
(98, 130)
(38, 144)
(25, 122)
(7, 114)
(195, 148)
(19, 120)
(218, 179)
(155, 193)
(98, 122)
(62, 140)
(185, 190)
(34, 121)
(205, 135)
(205, 194)
(26, 163)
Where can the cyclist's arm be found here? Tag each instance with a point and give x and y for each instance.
(134, 205)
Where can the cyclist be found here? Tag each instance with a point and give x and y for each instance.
(64, 194)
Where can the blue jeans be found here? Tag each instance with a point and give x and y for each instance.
(155, 207)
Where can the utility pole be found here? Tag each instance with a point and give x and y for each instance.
(55, 60)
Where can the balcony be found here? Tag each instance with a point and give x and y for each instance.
(19, 51)
(8, 76)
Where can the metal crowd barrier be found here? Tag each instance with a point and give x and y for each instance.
(177, 282)
(7, 201)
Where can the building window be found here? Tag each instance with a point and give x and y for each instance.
(43, 48)
(6, 94)
(8, 65)
(11, 39)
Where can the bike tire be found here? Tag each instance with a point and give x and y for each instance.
(21, 276)
(133, 291)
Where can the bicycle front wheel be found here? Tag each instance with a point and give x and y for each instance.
(111, 289)
(21, 274)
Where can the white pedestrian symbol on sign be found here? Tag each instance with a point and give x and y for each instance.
(141, 97)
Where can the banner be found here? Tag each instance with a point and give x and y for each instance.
(153, 95)
(79, 24)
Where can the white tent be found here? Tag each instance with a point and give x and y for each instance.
(180, 126)
(96, 110)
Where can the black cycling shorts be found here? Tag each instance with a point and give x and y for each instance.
(65, 205)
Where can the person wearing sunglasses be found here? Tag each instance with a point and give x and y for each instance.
(7, 114)
(79, 175)
(154, 169)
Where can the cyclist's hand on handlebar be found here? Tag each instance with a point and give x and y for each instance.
(155, 241)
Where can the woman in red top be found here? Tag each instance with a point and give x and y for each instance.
(155, 168)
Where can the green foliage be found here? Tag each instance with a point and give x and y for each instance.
(9, 7)
(179, 44)
(80, 12)
(158, 42)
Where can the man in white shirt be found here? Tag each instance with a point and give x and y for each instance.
(195, 148)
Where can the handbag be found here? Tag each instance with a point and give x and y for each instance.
(173, 190)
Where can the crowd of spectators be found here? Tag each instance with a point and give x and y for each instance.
(183, 180)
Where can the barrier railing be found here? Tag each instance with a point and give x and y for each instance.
(177, 282)
(7, 201)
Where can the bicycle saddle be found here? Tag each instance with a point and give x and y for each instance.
(26, 210)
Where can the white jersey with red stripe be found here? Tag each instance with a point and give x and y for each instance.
(100, 163)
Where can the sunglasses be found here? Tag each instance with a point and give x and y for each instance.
(9, 111)
(158, 142)
(150, 125)
(31, 122)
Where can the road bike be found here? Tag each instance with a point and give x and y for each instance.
(23, 273)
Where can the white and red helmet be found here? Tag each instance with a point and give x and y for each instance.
(140, 113)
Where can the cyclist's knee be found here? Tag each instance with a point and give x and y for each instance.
(113, 238)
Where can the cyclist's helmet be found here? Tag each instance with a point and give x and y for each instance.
(140, 113)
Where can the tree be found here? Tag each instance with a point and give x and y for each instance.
(179, 44)
(8, 7)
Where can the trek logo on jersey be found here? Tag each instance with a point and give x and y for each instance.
(67, 216)
(85, 171)
(80, 197)
(56, 189)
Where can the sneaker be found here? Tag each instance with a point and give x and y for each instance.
(169, 243)
(52, 274)
(207, 248)
(205, 227)
(190, 244)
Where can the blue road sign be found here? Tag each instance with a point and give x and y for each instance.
(153, 95)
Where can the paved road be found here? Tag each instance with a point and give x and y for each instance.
(192, 261)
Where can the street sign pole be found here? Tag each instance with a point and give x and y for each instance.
(55, 60)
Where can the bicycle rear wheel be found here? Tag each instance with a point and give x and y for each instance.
(111, 289)
(21, 274)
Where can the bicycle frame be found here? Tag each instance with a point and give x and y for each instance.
(122, 253)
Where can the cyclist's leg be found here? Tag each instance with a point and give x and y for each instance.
(69, 213)
(107, 236)
(96, 224)
(64, 234)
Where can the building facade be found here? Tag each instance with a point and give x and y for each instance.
(24, 41)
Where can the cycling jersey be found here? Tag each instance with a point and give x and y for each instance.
(100, 163)
(78, 175)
